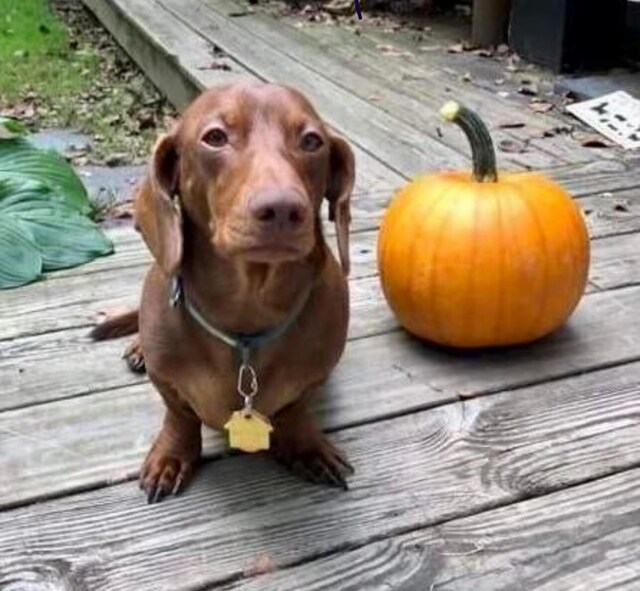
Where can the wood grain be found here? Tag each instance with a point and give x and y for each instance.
(394, 142)
(583, 539)
(413, 472)
(412, 90)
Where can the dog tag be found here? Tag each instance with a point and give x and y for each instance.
(248, 431)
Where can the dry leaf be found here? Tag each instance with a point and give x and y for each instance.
(540, 106)
(591, 140)
(262, 565)
(622, 205)
(513, 146)
(528, 89)
(467, 77)
(216, 65)
(457, 48)
(511, 125)
(121, 211)
(392, 51)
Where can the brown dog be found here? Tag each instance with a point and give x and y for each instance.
(242, 277)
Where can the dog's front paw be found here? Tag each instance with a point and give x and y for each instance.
(315, 459)
(166, 471)
(134, 357)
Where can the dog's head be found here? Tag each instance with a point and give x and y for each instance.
(249, 164)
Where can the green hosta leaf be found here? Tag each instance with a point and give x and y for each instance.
(10, 128)
(21, 161)
(20, 260)
(60, 236)
(65, 239)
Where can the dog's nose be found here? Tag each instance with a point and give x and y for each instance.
(280, 210)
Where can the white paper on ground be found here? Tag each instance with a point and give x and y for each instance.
(615, 115)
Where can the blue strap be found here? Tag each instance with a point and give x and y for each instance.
(244, 343)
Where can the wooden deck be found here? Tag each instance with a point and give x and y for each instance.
(501, 471)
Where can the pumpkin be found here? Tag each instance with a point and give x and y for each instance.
(481, 260)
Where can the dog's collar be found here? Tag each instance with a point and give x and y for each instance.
(243, 343)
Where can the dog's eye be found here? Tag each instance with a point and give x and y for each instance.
(311, 142)
(216, 138)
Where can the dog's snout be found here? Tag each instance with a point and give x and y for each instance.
(280, 210)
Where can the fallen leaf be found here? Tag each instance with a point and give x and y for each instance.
(118, 159)
(392, 51)
(457, 48)
(591, 140)
(262, 565)
(511, 125)
(528, 89)
(483, 53)
(467, 77)
(622, 206)
(540, 106)
(121, 211)
(513, 146)
(216, 65)
(557, 130)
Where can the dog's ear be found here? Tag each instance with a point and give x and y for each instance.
(158, 214)
(339, 189)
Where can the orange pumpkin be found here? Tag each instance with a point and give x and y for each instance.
(473, 260)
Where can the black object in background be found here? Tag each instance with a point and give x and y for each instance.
(569, 35)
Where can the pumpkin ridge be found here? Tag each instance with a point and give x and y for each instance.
(530, 192)
(435, 256)
(501, 267)
(472, 267)
(579, 230)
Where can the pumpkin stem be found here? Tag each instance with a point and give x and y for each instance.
(482, 150)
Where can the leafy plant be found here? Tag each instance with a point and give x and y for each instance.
(45, 221)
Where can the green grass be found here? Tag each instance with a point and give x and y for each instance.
(35, 55)
(59, 68)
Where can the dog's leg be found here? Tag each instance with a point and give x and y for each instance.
(171, 461)
(301, 446)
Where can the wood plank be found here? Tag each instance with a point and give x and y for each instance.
(618, 264)
(381, 376)
(582, 538)
(414, 88)
(413, 472)
(419, 112)
(612, 213)
(394, 142)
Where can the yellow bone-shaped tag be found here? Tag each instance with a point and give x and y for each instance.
(248, 431)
